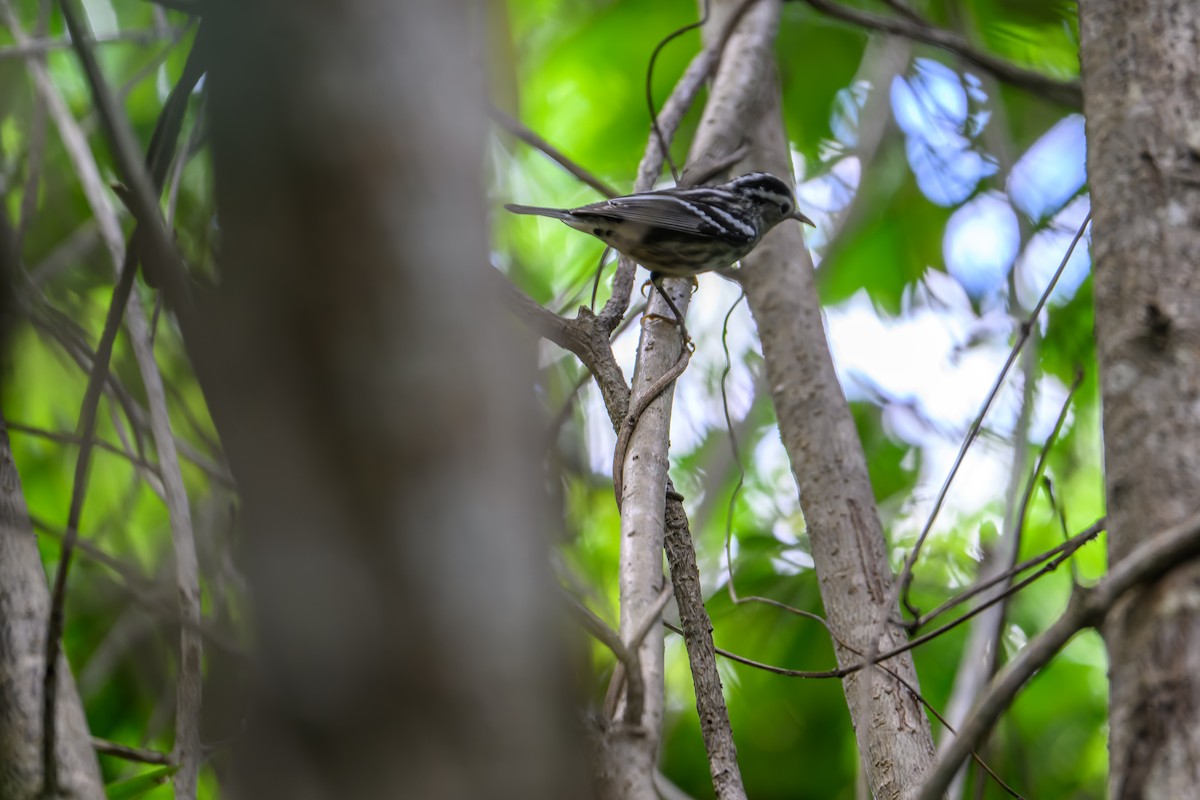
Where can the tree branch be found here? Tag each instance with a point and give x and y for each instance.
(702, 656)
(1088, 607)
(822, 443)
(1068, 93)
(525, 134)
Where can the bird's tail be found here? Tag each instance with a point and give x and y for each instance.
(556, 213)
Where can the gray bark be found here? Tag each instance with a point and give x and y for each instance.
(835, 492)
(375, 409)
(1142, 99)
(24, 611)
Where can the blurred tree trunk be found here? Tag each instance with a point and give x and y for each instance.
(24, 612)
(1142, 97)
(377, 415)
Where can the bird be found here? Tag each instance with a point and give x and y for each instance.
(682, 232)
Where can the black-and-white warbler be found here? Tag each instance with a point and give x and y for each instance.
(682, 232)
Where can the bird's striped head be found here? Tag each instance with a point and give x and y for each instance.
(770, 195)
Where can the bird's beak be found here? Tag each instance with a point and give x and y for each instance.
(796, 215)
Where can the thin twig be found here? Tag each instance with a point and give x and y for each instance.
(186, 751)
(905, 578)
(87, 425)
(1063, 551)
(525, 134)
(649, 169)
(1153, 557)
(37, 147)
(138, 754)
(68, 438)
(149, 595)
(636, 408)
(664, 149)
(711, 709)
(1069, 546)
(1068, 93)
(40, 46)
(627, 655)
(96, 379)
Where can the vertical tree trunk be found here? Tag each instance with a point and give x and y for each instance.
(24, 611)
(1141, 78)
(377, 415)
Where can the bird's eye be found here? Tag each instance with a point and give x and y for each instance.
(785, 209)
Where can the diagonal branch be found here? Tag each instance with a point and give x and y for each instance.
(525, 134)
(1068, 93)
(150, 234)
(1150, 560)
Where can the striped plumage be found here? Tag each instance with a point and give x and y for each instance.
(682, 232)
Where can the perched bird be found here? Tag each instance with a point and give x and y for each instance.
(682, 232)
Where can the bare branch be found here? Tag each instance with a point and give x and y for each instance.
(1154, 557)
(697, 636)
(1068, 93)
(138, 754)
(582, 336)
(628, 656)
(651, 167)
(636, 409)
(905, 578)
(525, 134)
(186, 752)
(37, 47)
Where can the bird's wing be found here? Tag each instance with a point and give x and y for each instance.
(662, 210)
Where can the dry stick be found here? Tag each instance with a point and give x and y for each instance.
(26, 47)
(648, 171)
(147, 594)
(68, 438)
(905, 578)
(613, 696)
(628, 656)
(636, 409)
(187, 750)
(946, 724)
(1067, 93)
(87, 424)
(696, 626)
(1154, 557)
(525, 134)
(77, 148)
(138, 754)
(658, 48)
(1071, 544)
